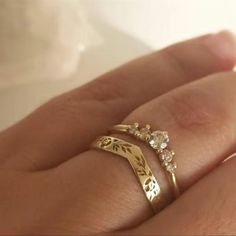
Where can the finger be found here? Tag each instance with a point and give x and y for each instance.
(208, 208)
(66, 125)
(201, 125)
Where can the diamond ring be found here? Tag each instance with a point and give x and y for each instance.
(158, 141)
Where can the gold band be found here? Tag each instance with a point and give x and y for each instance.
(139, 165)
(158, 140)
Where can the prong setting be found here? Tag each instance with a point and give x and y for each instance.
(158, 140)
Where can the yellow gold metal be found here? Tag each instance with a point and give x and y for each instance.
(174, 184)
(134, 155)
(158, 140)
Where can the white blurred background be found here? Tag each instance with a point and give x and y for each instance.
(49, 47)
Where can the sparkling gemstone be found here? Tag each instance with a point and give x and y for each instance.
(144, 134)
(166, 155)
(133, 129)
(171, 167)
(159, 140)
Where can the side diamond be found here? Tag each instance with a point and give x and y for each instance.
(145, 133)
(171, 167)
(134, 129)
(166, 155)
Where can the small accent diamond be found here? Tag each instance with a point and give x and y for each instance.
(171, 167)
(145, 133)
(133, 129)
(166, 155)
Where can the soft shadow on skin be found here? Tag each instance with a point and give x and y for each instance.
(116, 48)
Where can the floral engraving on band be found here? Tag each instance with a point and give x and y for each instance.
(115, 144)
(149, 184)
(138, 162)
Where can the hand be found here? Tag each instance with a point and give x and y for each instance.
(51, 182)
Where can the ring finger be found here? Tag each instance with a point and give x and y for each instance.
(202, 129)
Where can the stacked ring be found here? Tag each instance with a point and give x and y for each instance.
(158, 140)
(135, 157)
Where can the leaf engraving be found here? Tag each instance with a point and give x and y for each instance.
(123, 149)
(127, 145)
(141, 172)
(129, 150)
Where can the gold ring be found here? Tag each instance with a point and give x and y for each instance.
(158, 140)
(139, 165)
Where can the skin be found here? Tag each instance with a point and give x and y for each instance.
(51, 182)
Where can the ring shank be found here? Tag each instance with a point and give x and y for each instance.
(127, 129)
(135, 157)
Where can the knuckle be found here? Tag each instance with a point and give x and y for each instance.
(103, 89)
(196, 110)
(176, 62)
(100, 93)
(63, 106)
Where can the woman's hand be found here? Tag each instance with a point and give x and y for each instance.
(51, 182)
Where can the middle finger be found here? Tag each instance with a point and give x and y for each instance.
(65, 126)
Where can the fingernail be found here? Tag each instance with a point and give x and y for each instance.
(229, 158)
(222, 44)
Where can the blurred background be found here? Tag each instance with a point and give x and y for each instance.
(50, 46)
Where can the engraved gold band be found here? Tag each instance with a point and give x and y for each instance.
(139, 165)
(158, 140)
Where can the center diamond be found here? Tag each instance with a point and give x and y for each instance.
(159, 140)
